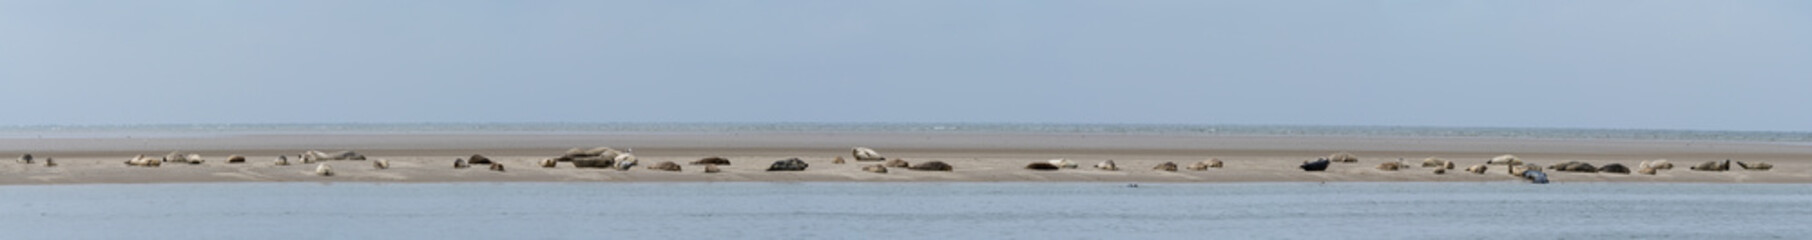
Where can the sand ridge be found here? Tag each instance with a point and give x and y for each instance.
(976, 157)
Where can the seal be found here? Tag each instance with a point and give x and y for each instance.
(1166, 166)
(1107, 165)
(1042, 166)
(932, 166)
(1317, 165)
(790, 164)
(323, 170)
(866, 154)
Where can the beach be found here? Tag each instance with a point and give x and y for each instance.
(976, 157)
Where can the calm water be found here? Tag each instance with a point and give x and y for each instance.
(187, 130)
(906, 210)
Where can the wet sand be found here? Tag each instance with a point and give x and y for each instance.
(976, 158)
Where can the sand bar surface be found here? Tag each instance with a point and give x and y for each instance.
(976, 157)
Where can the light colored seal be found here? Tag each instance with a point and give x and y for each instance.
(1435, 162)
(866, 154)
(877, 168)
(1477, 169)
(323, 170)
(1343, 157)
(1390, 166)
(142, 161)
(1063, 163)
(1505, 159)
(1166, 166)
(1107, 165)
(666, 166)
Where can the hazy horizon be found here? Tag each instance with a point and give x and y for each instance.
(676, 126)
(1685, 65)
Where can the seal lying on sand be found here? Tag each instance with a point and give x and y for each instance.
(142, 161)
(595, 162)
(1042, 166)
(1657, 164)
(179, 157)
(665, 166)
(932, 166)
(1518, 170)
(1204, 165)
(1505, 159)
(877, 168)
(549, 163)
(626, 161)
(601, 157)
(712, 169)
(478, 159)
(314, 155)
(1614, 168)
(1389, 166)
(598, 152)
(1574, 166)
(1435, 162)
(713, 161)
(1536, 176)
(381, 164)
(1063, 163)
(461, 163)
(1760, 166)
(866, 154)
(235, 159)
(1166, 166)
(282, 161)
(1317, 165)
(323, 170)
(497, 167)
(790, 164)
(1343, 157)
(1107, 165)
(899, 163)
(1714, 166)
(1477, 169)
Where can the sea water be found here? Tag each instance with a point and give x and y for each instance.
(783, 210)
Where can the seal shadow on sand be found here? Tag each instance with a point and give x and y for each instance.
(46, 178)
(384, 175)
(245, 174)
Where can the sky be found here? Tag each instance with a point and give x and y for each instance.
(1701, 65)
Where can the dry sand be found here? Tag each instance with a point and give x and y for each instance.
(976, 157)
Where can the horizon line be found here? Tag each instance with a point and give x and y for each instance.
(895, 123)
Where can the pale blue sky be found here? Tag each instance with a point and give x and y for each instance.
(1723, 65)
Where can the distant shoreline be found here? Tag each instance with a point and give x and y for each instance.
(1024, 183)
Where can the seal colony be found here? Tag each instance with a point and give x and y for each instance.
(581, 159)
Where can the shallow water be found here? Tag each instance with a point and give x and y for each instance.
(906, 210)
